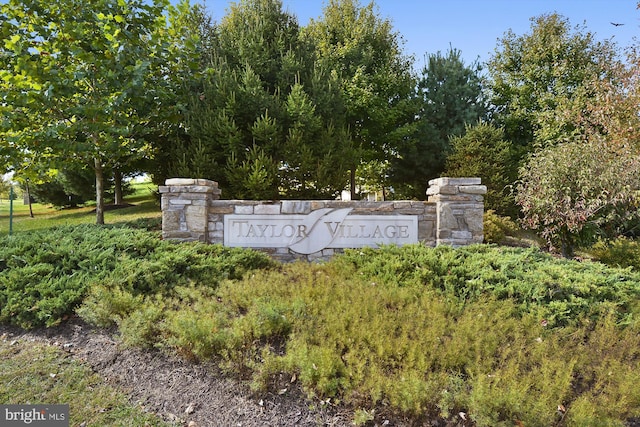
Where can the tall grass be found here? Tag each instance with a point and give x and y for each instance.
(408, 346)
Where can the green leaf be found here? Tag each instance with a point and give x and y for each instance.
(11, 42)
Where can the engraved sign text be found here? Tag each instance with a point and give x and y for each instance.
(321, 229)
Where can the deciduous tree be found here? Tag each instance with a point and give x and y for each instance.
(75, 80)
(584, 181)
(541, 81)
(574, 192)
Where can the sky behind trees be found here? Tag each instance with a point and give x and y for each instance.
(474, 26)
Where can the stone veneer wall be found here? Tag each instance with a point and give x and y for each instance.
(193, 211)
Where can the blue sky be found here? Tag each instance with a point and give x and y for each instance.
(474, 26)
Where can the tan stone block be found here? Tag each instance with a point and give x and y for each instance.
(446, 218)
(403, 204)
(335, 204)
(430, 208)
(200, 189)
(461, 198)
(412, 211)
(180, 181)
(474, 219)
(206, 182)
(426, 231)
(273, 209)
(295, 207)
(196, 218)
(221, 209)
(372, 208)
(171, 220)
(473, 189)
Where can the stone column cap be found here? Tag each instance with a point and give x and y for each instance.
(445, 181)
(190, 181)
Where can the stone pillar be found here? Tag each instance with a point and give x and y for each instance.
(185, 204)
(459, 210)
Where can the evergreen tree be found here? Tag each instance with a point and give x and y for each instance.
(482, 151)
(364, 53)
(266, 121)
(449, 97)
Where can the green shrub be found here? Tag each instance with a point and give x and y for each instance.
(500, 335)
(149, 224)
(497, 227)
(559, 290)
(201, 331)
(45, 275)
(620, 252)
(106, 306)
(143, 326)
(607, 381)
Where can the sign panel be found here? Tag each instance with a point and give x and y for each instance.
(321, 229)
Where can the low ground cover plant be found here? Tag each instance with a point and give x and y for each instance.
(45, 275)
(498, 336)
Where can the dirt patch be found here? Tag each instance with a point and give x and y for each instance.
(181, 391)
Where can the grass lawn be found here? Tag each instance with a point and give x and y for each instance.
(39, 373)
(47, 216)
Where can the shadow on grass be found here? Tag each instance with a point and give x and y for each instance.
(45, 217)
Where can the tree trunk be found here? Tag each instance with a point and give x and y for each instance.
(566, 244)
(117, 193)
(352, 183)
(26, 184)
(97, 165)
